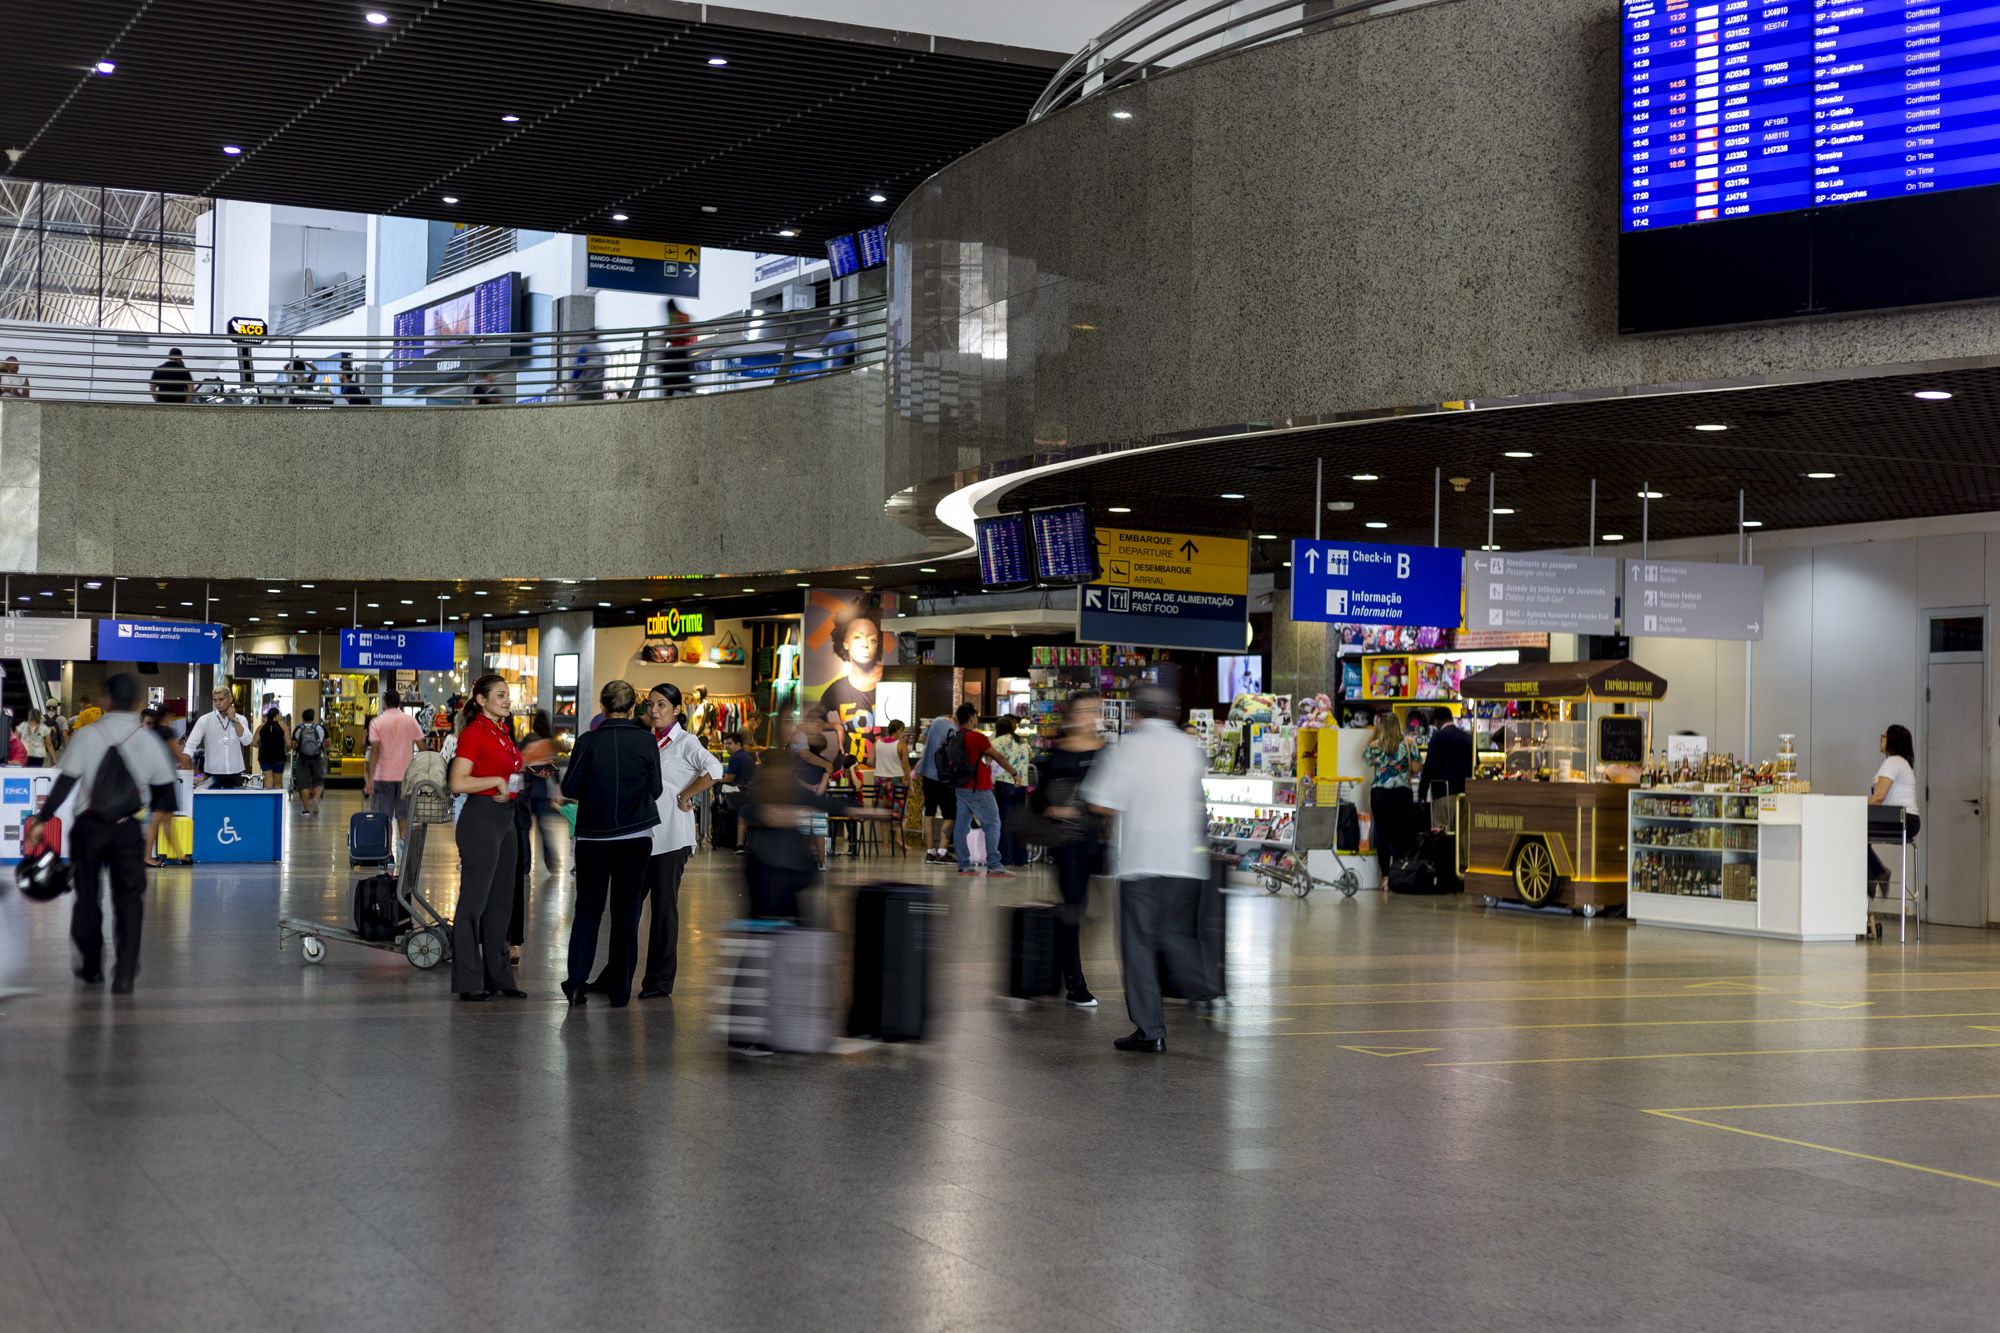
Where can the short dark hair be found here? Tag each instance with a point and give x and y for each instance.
(1444, 717)
(1155, 701)
(123, 691)
(896, 726)
(965, 713)
(391, 699)
(306, 715)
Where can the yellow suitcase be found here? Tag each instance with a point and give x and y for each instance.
(176, 842)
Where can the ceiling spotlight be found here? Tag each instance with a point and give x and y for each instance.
(1661, 495)
(1121, 115)
(1712, 426)
(749, 590)
(376, 17)
(1519, 453)
(925, 569)
(105, 67)
(708, 208)
(374, 605)
(1365, 476)
(883, 199)
(1821, 476)
(510, 120)
(1612, 537)
(284, 615)
(604, 603)
(717, 61)
(273, 590)
(1928, 395)
(231, 150)
(1267, 536)
(805, 585)
(1378, 525)
(1503, 511)
(786, 231)
(1489, 548)
(255, 619)
(1753, 522)
(183, 603)
(1231, 495)
(479, 592)
(305, 585)
(1340, 506)
(451, 199)
(406, 602)
(93, 584)
(621, 217)
(1118, 509)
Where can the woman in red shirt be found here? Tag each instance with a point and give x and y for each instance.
(486, 770)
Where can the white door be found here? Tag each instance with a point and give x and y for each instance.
(1954, 769)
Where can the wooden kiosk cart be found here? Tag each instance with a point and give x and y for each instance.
(1544, 818)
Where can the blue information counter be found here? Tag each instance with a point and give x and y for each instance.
(243, 825)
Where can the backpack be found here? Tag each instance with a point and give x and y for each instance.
(309, 738)
(113, 793)
(954, 766)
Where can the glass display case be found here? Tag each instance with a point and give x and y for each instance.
(1544, 749)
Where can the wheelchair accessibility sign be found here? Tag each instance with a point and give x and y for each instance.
(238, 825)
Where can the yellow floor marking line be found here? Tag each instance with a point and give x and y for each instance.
(1631, 1023)
(1828, 1004)
(1608, 981)
(1856, 1101)
(1552, 999)
(1822, 1147)
(1740, 987)
(1703, 1055)
(1390, 1052)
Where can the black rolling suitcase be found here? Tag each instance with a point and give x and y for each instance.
(378, 916)
(369, 838)
(893, 925)
(1031, 950)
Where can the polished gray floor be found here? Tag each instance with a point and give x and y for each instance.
(1419, 1114)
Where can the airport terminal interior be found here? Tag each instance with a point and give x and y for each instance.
(954, 667)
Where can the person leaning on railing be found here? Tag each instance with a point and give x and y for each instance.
(13, 384)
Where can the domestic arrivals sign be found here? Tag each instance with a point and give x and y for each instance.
(1359, 583)
(1167, 590)
(159, 641)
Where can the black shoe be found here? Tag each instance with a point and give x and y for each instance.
(1139, 1041)
(510, 993)
(121, 984)
(475, 996)
(577, 996)
(90, 976)
(655, 993)
(596, 987)
(1080, 996)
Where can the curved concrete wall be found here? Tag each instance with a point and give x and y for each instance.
(789, 477)
(1417, 208)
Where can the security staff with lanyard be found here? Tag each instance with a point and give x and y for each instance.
(219, 737)
(118, 769)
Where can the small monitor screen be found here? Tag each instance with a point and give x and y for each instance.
(1238, 675)
(872, 243)
(1065, 545)
(840, 253)
(1003, 552)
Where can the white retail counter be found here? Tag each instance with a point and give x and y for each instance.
(1793, 866)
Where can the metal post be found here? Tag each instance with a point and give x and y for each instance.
(1437, 506)
(1489, 511)
(76, 599)
(1593, 516)
(1645, 520)
(1749, 647)
(1319, 495)
(114, 599)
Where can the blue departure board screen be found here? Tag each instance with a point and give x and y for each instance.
(1065, 544)
(1003, 551)
(1743, 107)
(841, 254)
(873, 245)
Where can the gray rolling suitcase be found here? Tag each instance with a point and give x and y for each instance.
(777, 987)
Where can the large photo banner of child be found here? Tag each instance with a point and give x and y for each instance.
(846, 649)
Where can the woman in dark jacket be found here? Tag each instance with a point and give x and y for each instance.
(614, 777)
(1076, 861)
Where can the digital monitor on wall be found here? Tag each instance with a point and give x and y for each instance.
(1783, 159)
(872, 246)
(489, 308)
(841, 253)
(1238, 675)
(1003, 552)
(1065, 544)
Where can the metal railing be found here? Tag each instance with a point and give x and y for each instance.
(325, 304)
(1167, 34)
(749, 350)
(473, 247)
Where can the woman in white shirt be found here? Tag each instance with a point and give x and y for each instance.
(34, 741)
(1895, 784)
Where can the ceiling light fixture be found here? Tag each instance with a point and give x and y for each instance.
(717, 61)
(604, 603)
(255, 619)
(479, 592)
(231, 149)
(1489, 548)
(1503, 511)
(1365, 476)
(374, 606)
(621, 217)
(1612, 537)
(1340, 506)
(805, 585)
(183, 603)
(1711, 426)
(1928, 395)
(1753, 522)
(1821, 476)
(451, 199)
(1378, 525)
(749, 590)
(376, 17)
(883, 199)
(406, 602)
(510, 120)
(93, 585)
(925, 569)
(708, 208)
(305, 585)
(786, 231)
(1121, 115)
(1658, 495)
(105, 67)
(273, 590)
(1267, 536)
(1519, 453)
(1118, 509)
(284, 615)
(1231, 495)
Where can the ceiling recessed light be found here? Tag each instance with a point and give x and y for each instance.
(1378, 525)
(305, 585)
(1231, 495)
(1503, 511)
(486, 615)
(805, 585)
(749, 590)
(451, 199)
(1288, 564)
(183, 603)
(376, 17)
(1340, 506)
(621, 217)
(1821, 476)
(1652, 495)
(1267, 536)
(1118, 509)
(1612, 537)
(1489, 548)
(1365, 476)
(604, 603)
(925, 569)
(510, 120)
(374, 605)
(284, 615)
(1753, 522)
(451, 617)
(479, 592)
(231, 149)
(406, 602)
(1121, 115)
(1932, 395)
(1519, 453)
(1711, 426)
(105, 67)
(708, 208)
(786, 231)
(255, 619)
(273, 590)
(717, 61)
(93, 584)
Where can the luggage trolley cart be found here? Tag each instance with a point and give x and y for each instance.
(1316, 830)
(1887, 827)
(426, 941)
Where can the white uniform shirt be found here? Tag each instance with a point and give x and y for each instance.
(1902, 782)
(682, 760)
(1152, 778)
(221, 745)
(145, 756)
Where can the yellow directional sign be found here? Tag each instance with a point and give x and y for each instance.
(635, 249)
(1173, 561)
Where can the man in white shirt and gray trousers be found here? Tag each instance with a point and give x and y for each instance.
(1151, 781)
(219, 737)
(107, 833)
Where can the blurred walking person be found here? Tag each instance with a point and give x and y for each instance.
(273, 742)
(614, 778)
(1151, 784)
(1065, 770)
(486, 770)
(537, 803)
(118, 770)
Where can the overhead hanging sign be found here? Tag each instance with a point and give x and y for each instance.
(1358, 583)
(1697, 600)
(276, 666)
(397, 650)
(621, 264)
(1543, 592)
(1167, 590)
(159, 641)
(56, 640)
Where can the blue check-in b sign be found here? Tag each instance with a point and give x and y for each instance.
(1360, 583)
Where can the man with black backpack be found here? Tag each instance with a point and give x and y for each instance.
(309, 763)
(118, 769)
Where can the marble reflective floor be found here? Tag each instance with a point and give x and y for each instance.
(1419, 1114)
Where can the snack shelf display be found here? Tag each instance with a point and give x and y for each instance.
(1782, 864)
(1250, 819)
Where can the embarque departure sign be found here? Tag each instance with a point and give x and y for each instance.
(1167, 590)
(1743, 107)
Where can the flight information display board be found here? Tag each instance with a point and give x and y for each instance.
(872, 245)
(1003, 552)
(1065, 544)
(1743, 107)
(842, 255)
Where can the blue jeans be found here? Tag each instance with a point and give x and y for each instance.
(981, 806)
(1008, 797)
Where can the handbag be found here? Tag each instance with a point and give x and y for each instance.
(729, 652)
(691, 651)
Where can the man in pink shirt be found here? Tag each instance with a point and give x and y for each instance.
(393, 737)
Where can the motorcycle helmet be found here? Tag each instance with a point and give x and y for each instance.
(43, 877)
